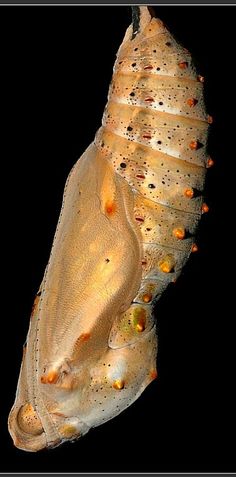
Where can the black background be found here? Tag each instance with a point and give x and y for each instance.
(56, 65)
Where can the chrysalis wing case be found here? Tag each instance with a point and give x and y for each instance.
(91, 347)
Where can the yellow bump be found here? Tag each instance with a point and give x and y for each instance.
(179, 233)
(189, 193)
(139, 319)
(118, 384)
(166, 265)
(147, 297)
(68, 430)
(194, 248)
(210, 162)
(50, 378)
(205, 208)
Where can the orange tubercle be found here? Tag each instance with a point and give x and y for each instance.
(189, 193)
(147, 297)
(140, 327)
(118, 384)
(194, 248)
(179, 233)
(192, 102)
(154, 374)
(110, 207)
(139, 320)
(84, 336)
(205, 208)
(210, 162)
(209, 119)
(194, 145)
(200, 78)
(50, 378)
(166, 266)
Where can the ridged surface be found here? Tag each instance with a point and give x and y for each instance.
(131, 207)
(154, 132)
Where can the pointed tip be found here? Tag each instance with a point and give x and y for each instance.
(141, 16)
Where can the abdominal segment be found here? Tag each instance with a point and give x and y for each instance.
(131, 208)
